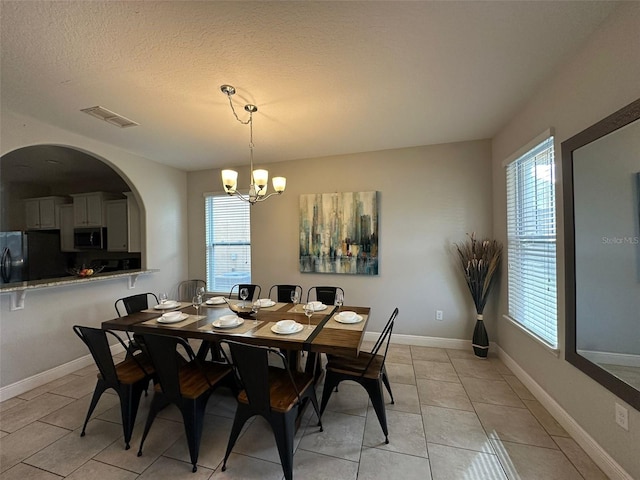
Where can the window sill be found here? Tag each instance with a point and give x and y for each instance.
(548, 348)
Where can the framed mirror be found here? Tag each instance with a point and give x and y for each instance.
(601, 187)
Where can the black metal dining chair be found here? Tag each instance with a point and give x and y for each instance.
(276, 394)
(128, 378)
(186, 383)
(324, 294)
(368, 370)
(283, 292)
(252, 287)
(187, 289)
(134, 303)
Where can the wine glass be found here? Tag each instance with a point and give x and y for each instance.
(308, 311)
(295, 297)
(163, 298)
(339, 300)
(197, 301)
(255, 308)
(244, 294)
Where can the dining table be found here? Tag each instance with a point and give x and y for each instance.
(328, 331)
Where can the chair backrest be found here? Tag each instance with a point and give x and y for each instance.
(325, 294)
(134, 303)
(251, 366)
(384, 338)
(188, 289)
(166, 359)
(283, 292)
(96, 340)
(252, 287)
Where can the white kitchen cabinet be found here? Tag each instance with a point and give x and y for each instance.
(123, 225)
(66, 228)
(41, 212)
(88, 208)
(117, 235)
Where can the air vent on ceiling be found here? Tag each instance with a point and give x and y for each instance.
(109, 116)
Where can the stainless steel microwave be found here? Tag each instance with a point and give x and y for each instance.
(90, 238)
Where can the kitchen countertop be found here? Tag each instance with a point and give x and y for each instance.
(55, 282)
(18, 290)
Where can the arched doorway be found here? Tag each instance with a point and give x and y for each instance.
(53, 179)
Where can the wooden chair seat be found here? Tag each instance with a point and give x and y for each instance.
(193, 382)
(366, 365)
(129, 372)
(282, 397)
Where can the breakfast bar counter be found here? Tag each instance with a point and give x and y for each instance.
(18, 290)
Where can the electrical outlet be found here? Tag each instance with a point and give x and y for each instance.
(439, 315)
(622, 416)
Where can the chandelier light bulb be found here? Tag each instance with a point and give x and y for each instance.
(279, 184)
(230, 181)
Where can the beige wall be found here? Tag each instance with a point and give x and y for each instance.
(600, 79)
(39, 337)
(430, 197)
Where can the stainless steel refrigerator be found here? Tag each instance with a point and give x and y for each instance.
(32, 255)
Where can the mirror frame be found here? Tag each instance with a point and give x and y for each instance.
(613, 122)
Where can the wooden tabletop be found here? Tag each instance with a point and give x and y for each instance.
(326, 336)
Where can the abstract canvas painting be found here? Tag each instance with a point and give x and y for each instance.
(339, 233)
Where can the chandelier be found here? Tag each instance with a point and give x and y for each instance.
(259, 178)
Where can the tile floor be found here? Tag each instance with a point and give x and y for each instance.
(455, 417)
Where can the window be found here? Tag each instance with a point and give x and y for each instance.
(228, 247)
(531, 241)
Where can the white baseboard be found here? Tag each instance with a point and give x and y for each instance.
(421, 341)
(55, 373)
(601, 458)
(610, 358)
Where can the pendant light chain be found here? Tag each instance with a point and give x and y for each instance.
(228, 94)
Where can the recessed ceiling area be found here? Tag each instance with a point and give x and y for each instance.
(328, 77)
(57, 170)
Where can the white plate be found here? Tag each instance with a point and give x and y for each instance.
(239, 322)
(319, 308)
(215, 301)
(339, 319)
(266, 302)
(179, 318)
(298, 328)
(167, 305)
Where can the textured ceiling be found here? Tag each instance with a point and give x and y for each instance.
(328, 77)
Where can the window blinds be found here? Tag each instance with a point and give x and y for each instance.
(531, 241)
(228, 242)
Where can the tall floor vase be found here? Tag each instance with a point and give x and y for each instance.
(480, 339)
